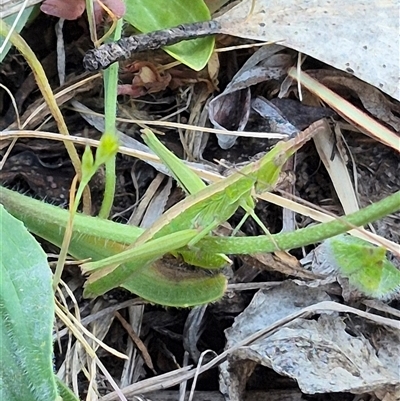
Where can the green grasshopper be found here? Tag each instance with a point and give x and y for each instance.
(163, 282)
(204, 210)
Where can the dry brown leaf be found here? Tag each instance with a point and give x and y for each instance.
(146, 79)
(379, 105)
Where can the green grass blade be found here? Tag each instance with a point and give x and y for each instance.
(110, 106)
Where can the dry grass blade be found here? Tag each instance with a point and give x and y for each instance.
(337, 171)
(136, 339)
(68, 319)
(352, 114)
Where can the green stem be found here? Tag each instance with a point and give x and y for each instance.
(304, 236)
(49, 221)
(110, 88)
(109, 190)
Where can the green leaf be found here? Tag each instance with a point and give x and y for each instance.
(27, 311)
(364, 265)
(152, 15)
(88, 168)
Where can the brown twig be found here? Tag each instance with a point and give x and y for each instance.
(109, 53)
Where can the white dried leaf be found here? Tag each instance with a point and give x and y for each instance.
(360, 37)
(319, 354)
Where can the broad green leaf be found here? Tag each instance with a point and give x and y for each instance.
(364, 265)
(27, 313)
(152, 15)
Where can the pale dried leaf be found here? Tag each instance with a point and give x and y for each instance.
(379, 105)
(156, 206)
(277, 122)
(266, 308)
(9, 7)
(319, 354)
(354, 36)
(337, 170)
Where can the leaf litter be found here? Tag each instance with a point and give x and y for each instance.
(324, 350)
(319, 354)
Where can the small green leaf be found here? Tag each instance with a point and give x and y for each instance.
(152, 15)
(27, 313)
(88, 168)
(189, 181)
(364, 265)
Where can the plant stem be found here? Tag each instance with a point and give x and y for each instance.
(110, 86)
(109, 53)
(304, 236)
